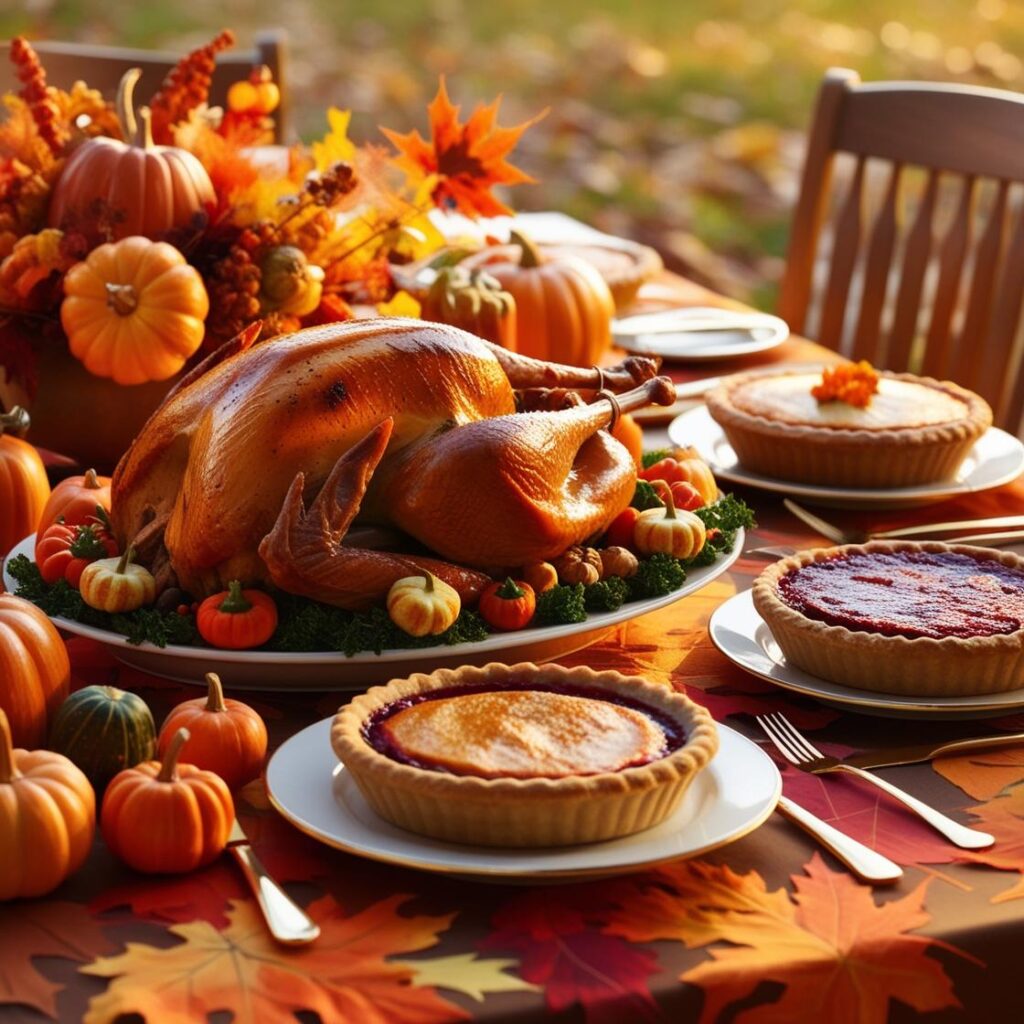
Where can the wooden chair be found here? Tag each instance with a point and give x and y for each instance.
(924, 272)
(102, 67)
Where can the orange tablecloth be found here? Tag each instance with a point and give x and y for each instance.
(768, 929)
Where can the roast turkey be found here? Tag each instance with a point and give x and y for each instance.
(256, 466)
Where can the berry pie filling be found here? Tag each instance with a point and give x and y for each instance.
(912, 594)
(521, 731)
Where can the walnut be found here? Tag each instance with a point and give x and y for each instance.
(578, 565)
(617, 561)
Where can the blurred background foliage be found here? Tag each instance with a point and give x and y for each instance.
(675, 122)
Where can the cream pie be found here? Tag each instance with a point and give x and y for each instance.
(523, 755)
(926, 619)
(903, 431)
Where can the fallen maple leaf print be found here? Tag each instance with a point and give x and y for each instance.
(43, 928)
(462, 161)
(556, 934)
(985, 773)
(344, 976)
(841, 957)
(1004, 818)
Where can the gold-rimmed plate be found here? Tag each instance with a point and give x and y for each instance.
(729, 799)
(740, 633)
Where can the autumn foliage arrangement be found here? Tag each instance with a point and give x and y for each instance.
(287, 236)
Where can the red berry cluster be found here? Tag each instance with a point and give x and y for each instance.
(186, 87)
(37, 94)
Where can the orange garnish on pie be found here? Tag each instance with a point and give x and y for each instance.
(852, 383)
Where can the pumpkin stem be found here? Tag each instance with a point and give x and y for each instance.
(530, 255)
(8, 770)
(91, 481)
(169, 765)
(236, 601)
(126, 559)
(146, 116)
(510, 590)
(215, 695)
(15, 422)
(670, 505)
(123, 104)
(429, 587)
(121, 298)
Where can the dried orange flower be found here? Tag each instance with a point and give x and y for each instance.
(852, 383)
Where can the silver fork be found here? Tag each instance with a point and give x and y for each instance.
(800, 752)
(838, 535)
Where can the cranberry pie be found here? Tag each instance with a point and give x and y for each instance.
(927, 619)
(523, 755)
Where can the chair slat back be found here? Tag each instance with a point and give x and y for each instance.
(103, 66)
(923, 273)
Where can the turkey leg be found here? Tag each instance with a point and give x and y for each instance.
(525, 372)
(557, 475)
(304, 553)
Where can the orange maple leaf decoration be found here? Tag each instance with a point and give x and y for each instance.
(344, 976)
(468, 160)
(841, 957)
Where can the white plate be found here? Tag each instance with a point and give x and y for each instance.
(634, 333)
(996, 459)
(331, 670)
(730, 798)
(740, 633)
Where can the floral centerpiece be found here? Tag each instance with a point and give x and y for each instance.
(134, 240)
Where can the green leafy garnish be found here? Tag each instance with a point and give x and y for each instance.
(727, 515)
(560, 605)
(656, 576)
(606, 595)
(645, 497)
(648, 459)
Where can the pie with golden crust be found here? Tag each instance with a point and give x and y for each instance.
(523, 755)
(922, 619)
(913, 430)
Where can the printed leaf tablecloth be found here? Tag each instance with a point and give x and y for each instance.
(767, 929)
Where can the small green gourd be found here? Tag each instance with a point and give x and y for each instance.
(103, 730)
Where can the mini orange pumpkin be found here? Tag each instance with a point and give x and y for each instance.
(74, 500)
(34, 670)
(631, 436)
(136, 187)
(167, 817)
(47, 819)
(563, 306)
(133, 310)
(24, 489)
(237, 619)
(228, 737)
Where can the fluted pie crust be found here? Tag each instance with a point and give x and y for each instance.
(920, 667)
(843, 455)
(532, 812)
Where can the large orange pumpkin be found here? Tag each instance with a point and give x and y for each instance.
(47, 819)
(563, 306)
(133, 310)
(24, 489)
(133, 187)
(34, 670)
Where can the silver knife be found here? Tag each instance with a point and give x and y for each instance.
(287, 921)
(888, 757)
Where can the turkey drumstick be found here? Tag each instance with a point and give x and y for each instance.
(525, 372)
(521, 488)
